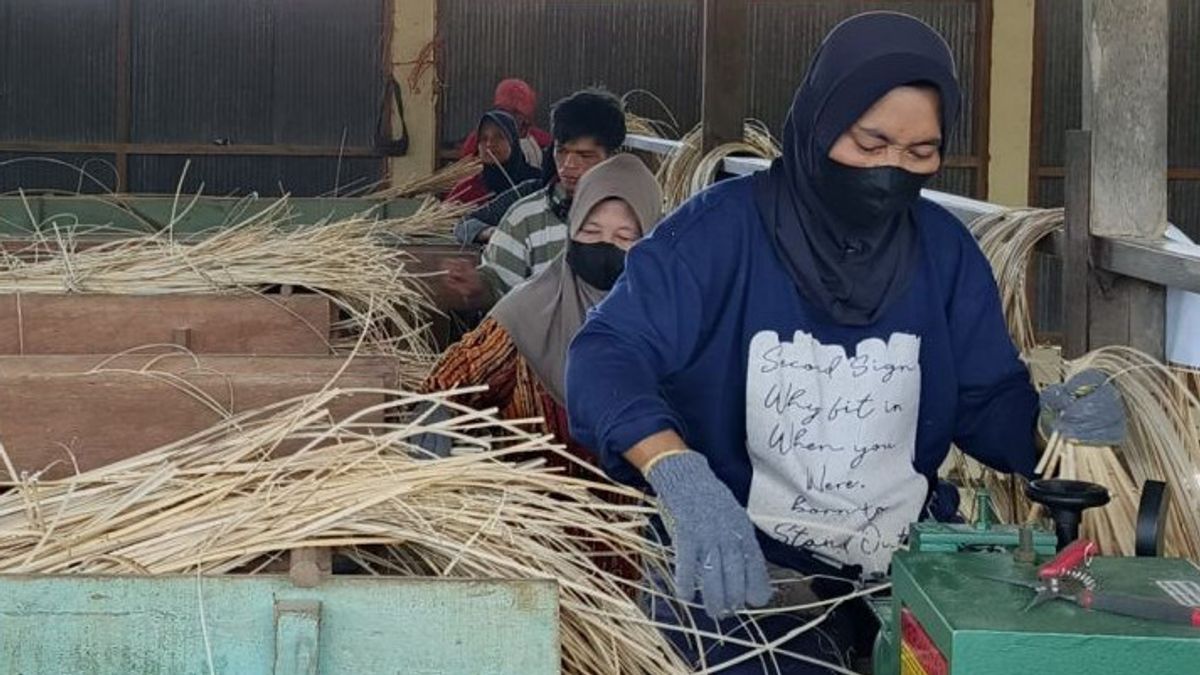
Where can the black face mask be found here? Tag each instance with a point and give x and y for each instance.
(597, 264)
(865, 198)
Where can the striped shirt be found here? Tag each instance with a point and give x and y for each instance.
(531, 234)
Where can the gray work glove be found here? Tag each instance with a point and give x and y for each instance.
(1086, 410)
(467, 230)
(713, 536)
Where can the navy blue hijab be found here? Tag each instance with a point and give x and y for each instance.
(497, 177)
(852, 275)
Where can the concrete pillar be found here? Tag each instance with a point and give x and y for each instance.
(1125, 45)
(414, 25)
(1125, 58)
(1011, 97)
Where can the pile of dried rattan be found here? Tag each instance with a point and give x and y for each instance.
(435, 184)
(688, 170)
(349, 261)
(287, 476)
(1162, 410)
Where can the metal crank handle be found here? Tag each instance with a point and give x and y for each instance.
(1139, 607)
(1075, 554)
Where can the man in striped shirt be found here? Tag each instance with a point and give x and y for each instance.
(588, 127)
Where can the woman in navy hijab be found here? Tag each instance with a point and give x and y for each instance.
(787, 360)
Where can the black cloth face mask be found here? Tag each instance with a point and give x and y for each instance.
(864, 199)
(599, 264)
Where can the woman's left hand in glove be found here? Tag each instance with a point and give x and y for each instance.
(1085, 410)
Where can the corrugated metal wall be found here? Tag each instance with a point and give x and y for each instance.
(70, 44)
(37, 47)
(1060, 98)
(261, 72)
(784, 34)
(562, 45)
(256, 71)
(559, 46)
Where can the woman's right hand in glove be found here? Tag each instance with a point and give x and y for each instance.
(713, 536)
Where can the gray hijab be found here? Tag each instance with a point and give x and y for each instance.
(543, 314)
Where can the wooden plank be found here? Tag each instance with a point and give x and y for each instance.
(315, 367)
(202, 149)
(124, 89)
(1075, 269)
(110, 625)
(148, 213)
(297, 637)
(99, 418)
(724, 72)
(107, 324)
(1163, 262)
(1127, 311)
(982, 106)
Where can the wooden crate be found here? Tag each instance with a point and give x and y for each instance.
(56, 410)
(213, 324)
(264, 625)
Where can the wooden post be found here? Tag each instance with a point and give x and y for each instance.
(1125, 109)
(724, 72)
(1076, 246)
(310, 565)
(124, 92)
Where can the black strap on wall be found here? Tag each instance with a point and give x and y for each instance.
(385, 144)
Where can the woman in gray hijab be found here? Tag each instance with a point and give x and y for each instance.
(520, 350)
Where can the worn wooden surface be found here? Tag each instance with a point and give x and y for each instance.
(107, 324)
(149, 213)
(53, 419)
(1125, 112)
(1076, 256)
(724, 73)
(263, 625)
(182, 363)
(1125, 59)
(1127, 311)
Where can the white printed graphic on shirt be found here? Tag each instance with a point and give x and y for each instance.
(831, 439)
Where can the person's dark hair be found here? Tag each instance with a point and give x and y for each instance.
(593, 113)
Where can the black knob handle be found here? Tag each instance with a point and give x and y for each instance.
(1066, 500)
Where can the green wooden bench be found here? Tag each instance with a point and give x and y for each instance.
(263, 625)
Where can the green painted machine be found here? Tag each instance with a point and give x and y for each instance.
(963, 604)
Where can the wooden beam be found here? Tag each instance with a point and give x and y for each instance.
(124, 90)
(724, 71)
(1036, 116)
(386, 368)
(1173, 173)
(1125, 56)
(1076, 253)
(220, 324)
(1162, 262)
(983, 98)
(283, 150)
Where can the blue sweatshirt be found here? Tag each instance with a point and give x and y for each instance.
(830, 435)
